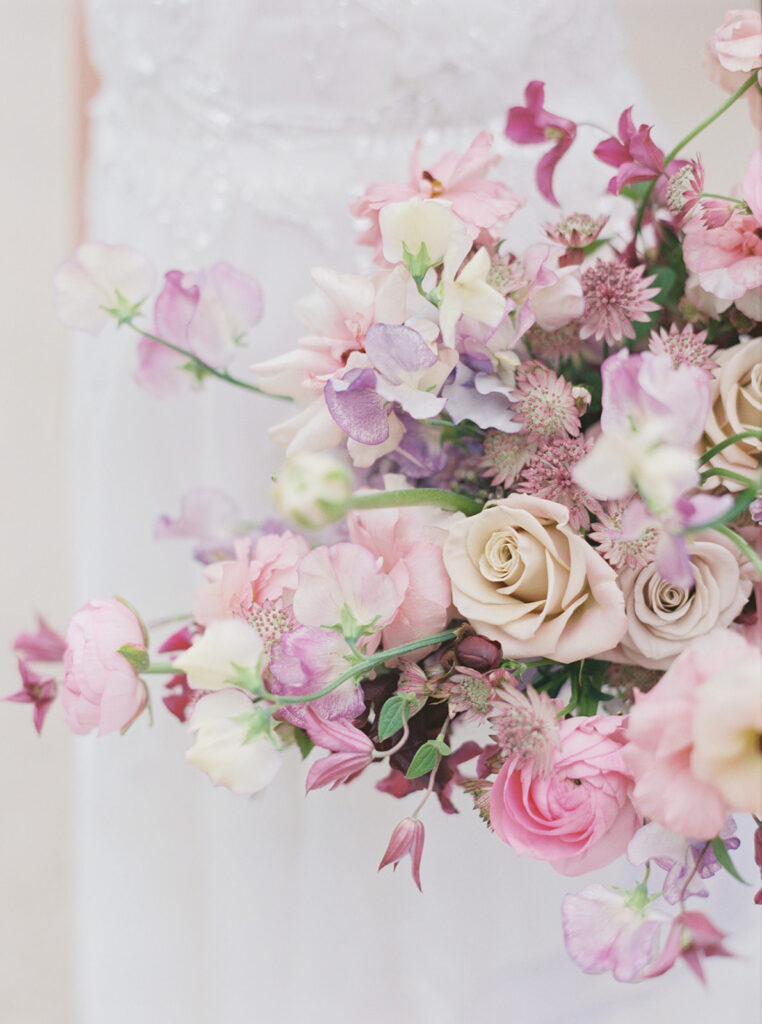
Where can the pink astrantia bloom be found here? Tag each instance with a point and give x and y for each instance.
(44, 645)
(526, 728)
(37, 690)
(605, 930)
(351, 751)
(101, 689)
(407, 838)
(616, 296)
(544, 403)
(101, 282)
(504, 456)
(578, 816)
(265, 572)
(661, 735)
(575, 232)
(344, 584)
(548, 474)
(684, 346)
(484, 206)
(693, 937)
(727, 260)
(684, 189)
(533, 124)
(206, 314)
(623, 540)
(635, 155)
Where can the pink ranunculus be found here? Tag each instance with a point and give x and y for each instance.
(101, 688)
(734, 49)
(484, 206)
(266, 573)
(687, 765)
(409, 543)
(578, 815)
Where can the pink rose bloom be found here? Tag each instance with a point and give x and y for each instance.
(578, 816)
(482, 205)
(727, 260)
(734, 50)
(101, 688)
(694, 738)
(409, 543)
(268, 573)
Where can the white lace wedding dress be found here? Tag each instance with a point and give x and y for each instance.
(237, 129)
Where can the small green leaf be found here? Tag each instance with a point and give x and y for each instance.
(425, 760)
(417, 263)
(392, 717)
(720, 850)
(303, 742)
(440, 746)
(137, 656)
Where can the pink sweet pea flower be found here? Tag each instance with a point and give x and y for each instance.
(352, 751)
(606, 930)
(407, 838)
(692, 937)
(578, 815)
(635, 155)
(37, 690)
(101, 688)
(205, 514)
(533, 124)
(44, 645)
(101, 282)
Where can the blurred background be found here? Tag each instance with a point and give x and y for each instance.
(44, 83)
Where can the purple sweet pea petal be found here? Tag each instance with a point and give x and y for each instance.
(357, 408)
(673, 562)
(702, 509)
(394, 350)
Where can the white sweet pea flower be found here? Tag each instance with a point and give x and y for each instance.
(210, 664)
(99, 278)
(465, 292)
(417, 222)
(233, 742)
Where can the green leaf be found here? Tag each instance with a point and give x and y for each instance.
(392, 717)
(303, 742)
(417, 263)
(137, 656)
(440, 746)
(425, 760)
(720, 850)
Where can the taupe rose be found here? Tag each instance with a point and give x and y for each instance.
(662, 618)
(736, 406)
(520, 575)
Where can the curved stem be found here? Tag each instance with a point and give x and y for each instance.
(732, 439)
(689, 138)
(743, 546)
(730, 474)
(365, 666)
(450, 501)
(381, 755)
(219, 374)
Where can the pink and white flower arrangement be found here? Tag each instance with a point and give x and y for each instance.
(530, 488)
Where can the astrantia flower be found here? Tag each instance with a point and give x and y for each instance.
(684, 188)
(615, 296)
(575, 232)
(554, 345)
(506, 274)
(504, 455)
(621, 546)
(545, 403)
(548, 474)
(684, 346)
(526, 728)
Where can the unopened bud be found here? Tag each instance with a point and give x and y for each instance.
(313, 490)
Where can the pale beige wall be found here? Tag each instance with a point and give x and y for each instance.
(37, 187)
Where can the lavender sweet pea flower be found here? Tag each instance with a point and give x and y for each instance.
(480, 397)
(356, 406)
(409, 371)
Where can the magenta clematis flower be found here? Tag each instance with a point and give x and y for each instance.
(407, 838)
(351, 751)
(44, 645)
(533, 124)
(693, 937)
(635, 155)
(37, 690)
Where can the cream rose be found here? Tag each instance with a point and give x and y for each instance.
(663, 618)
(520, 575)
(736, 406)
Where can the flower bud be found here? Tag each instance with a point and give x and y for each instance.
(313, 490)
(479, 653)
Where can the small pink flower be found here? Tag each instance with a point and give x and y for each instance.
(407, 838)
(544, 403)
(205, 514)
(351, 751)
(692, 937)
(575, 232)
(635, 155)
(534, 124)
(548, 474)
(579, 815)
(44, 645)
(101, 282)
(616, 296)
(684, 346)
(37, 690)
(504, 456)
(734, 49)
(101, 688)
(684, 189)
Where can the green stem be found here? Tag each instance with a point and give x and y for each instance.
(689, 138)
(219, 374)
(462, 428)
(161, 668)
(364, 667)
(741, 436)
(729, 473)
(450, 501)
(743, 546)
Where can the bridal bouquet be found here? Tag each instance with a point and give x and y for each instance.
(519, 548)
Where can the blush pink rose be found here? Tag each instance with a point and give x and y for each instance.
(687, 744)
(409, 543)
(734, 49)
(578, 815)
(235, 587)
(101, 688)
